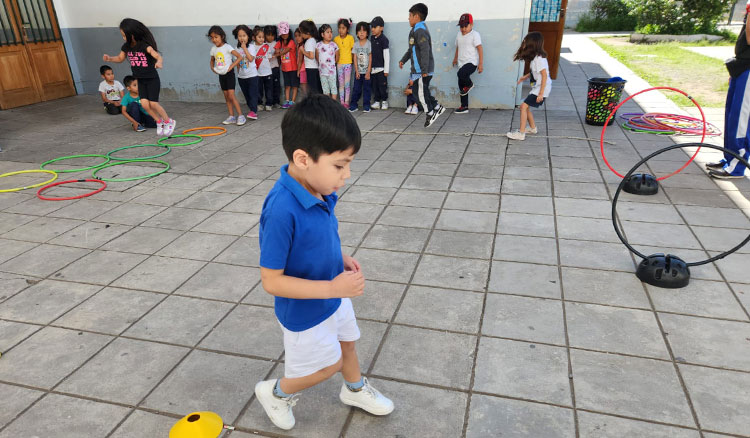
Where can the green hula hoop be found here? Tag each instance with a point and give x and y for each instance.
(107, 159)
(135, 178)
(198, 137)
(150, 157)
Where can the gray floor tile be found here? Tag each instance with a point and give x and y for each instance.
(90, 235)
(141, 423)
(232, 380)
(358, 212)
(472, 221)
(84, 209)
(565, 189)
(130, 214)
(125, 371)
(526, 225)
(470, 274)
(472, 201)
(408, 216)
(64, 351)
(169, 321)
(525, 279)
(700, 297)
(386, 265)
(175, 218)
(526, 249)
(714, 217)
(580, 228)
(45, 301)
(259, 297)
(221, 282)
(594, 208)
(720, 398)
(476, 185)
(13, 248)
(629, 386)
(244, 251)
(197, 246)
(88, 269)
(143, 240)
(163, 196)
(664, 235)
(223, 222)
(418, 198)
(648, 212)
(526, 187)
(518, 419)
(411, 351)
(523, 370)
(441, 309)
(605, 426)
(159, 274)
(439, 169)
(60, 416)
(708, 341)
(369, 195)
(527, 318)
(206, 200)
(420, 411)
(604, 287)
(43, 260)
(111, 311)
(427, 182)
(10, 221)
(379, 301)
(595, 255)
(455, 243)
(352, 233)
(375, 179)
(15, 332)
(15, 400)
(526, 204)
(233, 334)
(42, 229)
(396, 238)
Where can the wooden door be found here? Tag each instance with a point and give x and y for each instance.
(551, 30)
(33, 63)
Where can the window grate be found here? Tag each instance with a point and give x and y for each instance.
(7, 35)
(33, 20)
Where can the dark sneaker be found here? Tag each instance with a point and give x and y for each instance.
(140, 128)
(440, 109)
(723, 174)
(461, 110)
(716, 166)
(465, 90)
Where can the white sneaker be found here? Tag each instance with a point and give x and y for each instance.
(532, 131)
(384, 105)
(169, 127)
(241, 120)
(231, 120)
(375, 105)
(368, 398)
(516, 135)
(279, 410)
(414, 110)
(269, 107)
(408, 110)
(160, 128)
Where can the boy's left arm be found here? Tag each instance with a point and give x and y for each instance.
(540, 98)
(480, 67)
(386, 61)
(369, 67)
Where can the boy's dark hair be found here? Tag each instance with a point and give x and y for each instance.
(419, 9)
(346, 22)
(270, 30)
(308, 27)
(319, 125)
(244, 28)
(363, 25)
(104, 69)
(323, 28)
(135, 32)
(127, 80)
(218, 31)
(531, 47)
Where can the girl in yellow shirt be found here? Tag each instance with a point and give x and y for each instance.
(344, 66)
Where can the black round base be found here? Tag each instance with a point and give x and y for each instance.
(641, 184)
(667, 271)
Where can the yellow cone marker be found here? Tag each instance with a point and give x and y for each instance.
(198, 425)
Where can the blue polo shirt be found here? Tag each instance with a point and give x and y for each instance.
(299, 233)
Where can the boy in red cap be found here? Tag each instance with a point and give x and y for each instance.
(469, 58)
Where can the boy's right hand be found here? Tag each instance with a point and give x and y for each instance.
(455, 62)
(348, 284)
(401, 64)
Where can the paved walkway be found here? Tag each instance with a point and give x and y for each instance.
(499, 301)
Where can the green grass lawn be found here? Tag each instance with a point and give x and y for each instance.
(670, 65)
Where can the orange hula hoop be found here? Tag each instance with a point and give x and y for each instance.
(200, 128)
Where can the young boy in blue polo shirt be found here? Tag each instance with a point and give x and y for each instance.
(302, 265)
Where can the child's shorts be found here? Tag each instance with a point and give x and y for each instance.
(227, 81)
(291, 79)
(531, 101)
(148, 88)
(311, 350)
(329, 84)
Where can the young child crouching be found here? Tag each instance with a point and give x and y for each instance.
(132, 109)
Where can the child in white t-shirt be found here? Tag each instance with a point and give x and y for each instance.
(110, 90)
(264, 54)
(247, 72)
(532, 51)
(222, 65)
(469, 58)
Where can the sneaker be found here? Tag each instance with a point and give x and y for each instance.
(252, 116)
(408, 110)
(285, 105)
(261, 107)
(279, 410)
(231, 120)
(414, 110)
(140, 128)
(169, 127)
(269, 107)
(277, 105)
(716, 166)
(375, 105)
(368, 399)
(465, 90)
(431, 118)
(241, 120)
(353, 109)
(366, 110)
(160, 128)
(384, 105)
(461, 110)
(533, 130)
(723, 174)
(516, 135)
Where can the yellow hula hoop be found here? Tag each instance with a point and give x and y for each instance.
(221, 131)
(54, 177)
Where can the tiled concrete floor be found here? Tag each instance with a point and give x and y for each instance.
(499, 301)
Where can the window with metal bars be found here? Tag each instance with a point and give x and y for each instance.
(7, 35)
(33, 20)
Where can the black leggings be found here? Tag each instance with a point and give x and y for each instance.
(249, 87)
(265, 88)
(313, 81)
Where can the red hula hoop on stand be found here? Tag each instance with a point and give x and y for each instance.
(614, 110)
(70, 198)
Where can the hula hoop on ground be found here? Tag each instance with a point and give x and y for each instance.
(18, 172)
(69, 157)
(614, 110)
(135, 178)
(200, 128)
(643, 161)
(198, 137)
(70, 198)
(151, 157)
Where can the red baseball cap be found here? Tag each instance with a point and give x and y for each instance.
(465, 19)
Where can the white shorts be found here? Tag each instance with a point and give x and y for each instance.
(311, 350)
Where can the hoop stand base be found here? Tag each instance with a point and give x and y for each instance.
(667, 271)
(642, 184)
